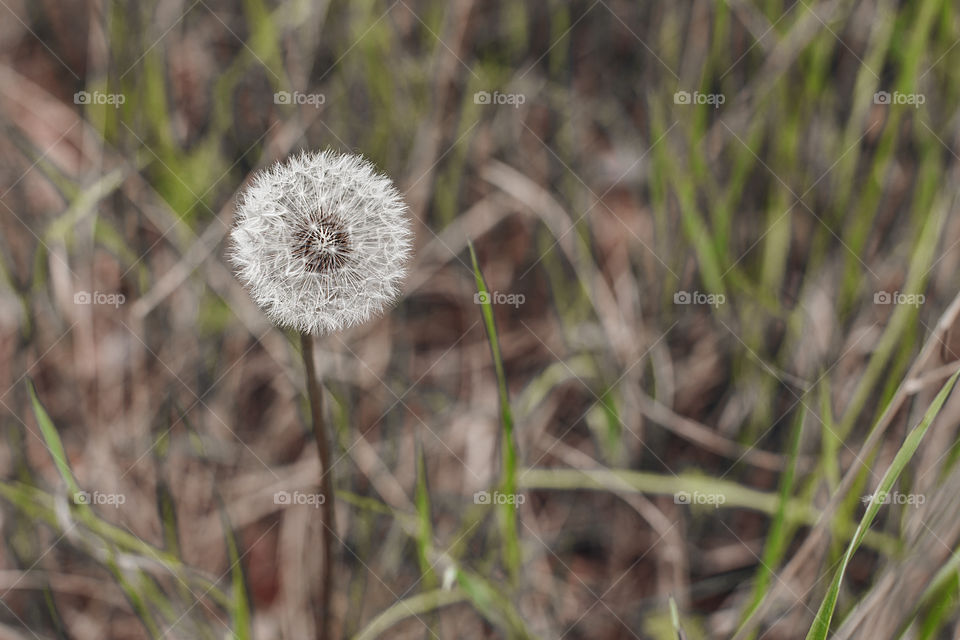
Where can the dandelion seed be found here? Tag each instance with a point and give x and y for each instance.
(321, 241)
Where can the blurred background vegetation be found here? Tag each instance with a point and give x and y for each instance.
(719, 239)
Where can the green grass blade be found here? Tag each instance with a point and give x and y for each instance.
(425, 528)
(240, 604)
(675, 619)
(52, 439)
(777, 537)
(728, 494)
(493, 605)
(417, 605)
(134, 596)
(821, 623)
(508, 511)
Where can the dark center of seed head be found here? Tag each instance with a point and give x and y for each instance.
(323, 245)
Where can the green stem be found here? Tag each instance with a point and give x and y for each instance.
(326, 485)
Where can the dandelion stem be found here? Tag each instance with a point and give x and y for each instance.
(326, 484)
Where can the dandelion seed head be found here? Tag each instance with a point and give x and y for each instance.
(321, 241)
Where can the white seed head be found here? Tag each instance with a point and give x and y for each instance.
(321, 241)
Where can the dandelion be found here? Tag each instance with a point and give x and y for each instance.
(321, 241)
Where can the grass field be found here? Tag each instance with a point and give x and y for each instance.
(674, 358)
